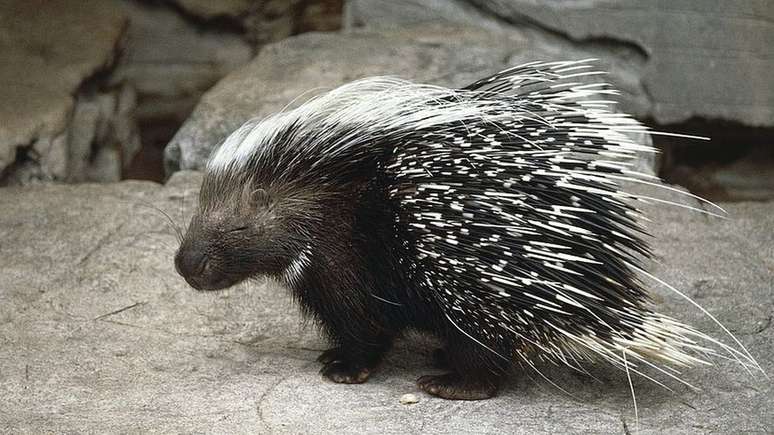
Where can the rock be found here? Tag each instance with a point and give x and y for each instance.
(99, 335)
(177, 49)
(410, 13)
(724, 43)
(77, 79)
(208, 9)
(266, 21)
(623, 63)
(103, 137)
(661, 47)
(320, 16)
(55, 113)
(171, 61)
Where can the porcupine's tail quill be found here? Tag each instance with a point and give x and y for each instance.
(657, 338)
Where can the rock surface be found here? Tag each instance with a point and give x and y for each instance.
(267, 20)
(210, 10)
(51, 108)
(98, 334)
(170, 62)
(688, 59)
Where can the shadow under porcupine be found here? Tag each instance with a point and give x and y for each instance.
(490, 217)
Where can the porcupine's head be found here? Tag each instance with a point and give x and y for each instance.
(269, 185)
(243, 226)
(239, 230)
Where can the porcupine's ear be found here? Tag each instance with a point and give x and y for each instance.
(256, 198)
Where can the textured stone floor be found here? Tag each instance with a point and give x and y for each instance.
(98, 334)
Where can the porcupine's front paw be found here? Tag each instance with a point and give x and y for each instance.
(452, 386)
(342, 369)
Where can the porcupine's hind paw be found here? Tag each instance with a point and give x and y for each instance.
(340, 367)
(452, 386)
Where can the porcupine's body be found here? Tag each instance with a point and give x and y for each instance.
(490, 217)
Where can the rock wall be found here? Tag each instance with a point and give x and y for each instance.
(170, 61)
(680, 60)
(54, 105)
(267, 20)
(88, 85)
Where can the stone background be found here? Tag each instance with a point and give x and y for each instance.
(90, 88)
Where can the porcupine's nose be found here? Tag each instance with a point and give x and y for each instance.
(190, 262)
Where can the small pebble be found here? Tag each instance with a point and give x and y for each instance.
(408, 399)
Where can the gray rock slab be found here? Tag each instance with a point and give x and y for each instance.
(407, 13)
(99, 335)
(171, 61)
(50, 51)
(709, 59)
(208, 9)
(699, 58)
(262, 21)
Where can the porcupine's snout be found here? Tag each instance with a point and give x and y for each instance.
(205, 260)
(191, 263)
(194, 263)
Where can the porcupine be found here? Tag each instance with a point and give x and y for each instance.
(489, 216)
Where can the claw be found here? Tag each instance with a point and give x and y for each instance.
(454, 387)
(344, 373)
